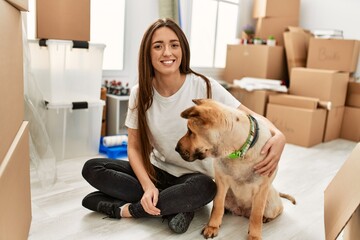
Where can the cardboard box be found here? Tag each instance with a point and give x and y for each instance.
(333, 54)
(11, 75)
(342, 198)
(255, 100)
(296, 42)
(350, 128)
(21, 5)
(352, 230)
(333, 123)
(299, 118)
(15, 200)
(276, 8)
(308, 82)
(64, 20)
(258, 61)
(353, 94)
(275, 26)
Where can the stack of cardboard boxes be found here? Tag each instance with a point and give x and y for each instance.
(274, 16)
(325, 80)
(262, 61)
(15, 200)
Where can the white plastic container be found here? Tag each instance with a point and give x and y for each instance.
(74, 132)
(64, 73)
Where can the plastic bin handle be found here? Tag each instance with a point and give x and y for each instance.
(79, 105)
(42, 42)
(76, 44)
(80, 44)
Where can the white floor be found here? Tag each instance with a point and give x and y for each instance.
(303, 172)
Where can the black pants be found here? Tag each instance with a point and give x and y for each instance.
(176, 194)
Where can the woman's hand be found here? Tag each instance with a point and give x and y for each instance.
(149, 200)
(273, 150)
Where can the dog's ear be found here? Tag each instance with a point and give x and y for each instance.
(190, 112)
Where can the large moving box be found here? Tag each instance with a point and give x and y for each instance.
(353, 95)
(296, 42)
(15, 200)
(333, 54)
(22, 5)
(299, 118)
(11, 73)
(276, 8)
(258, 61)
(350, 128)
(327, 85)
(274, 26)
(342, 199)
(255, 100)
(333, 123)
(65, 19)
(352, 230)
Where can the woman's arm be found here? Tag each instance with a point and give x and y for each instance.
(151, 193)
(273, 147)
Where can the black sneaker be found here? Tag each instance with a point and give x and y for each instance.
(102, 203)
(179, 223)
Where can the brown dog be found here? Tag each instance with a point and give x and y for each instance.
(235, 140)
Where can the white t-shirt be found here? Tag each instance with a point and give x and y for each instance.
(167, 126)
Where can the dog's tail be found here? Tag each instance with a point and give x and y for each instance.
(288, 197)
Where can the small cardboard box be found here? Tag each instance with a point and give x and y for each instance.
(15, 200)
(333, 54)
(296, 42)
(299, 118)
(308, 82)
(64, 20)
(275, 26)
(11, 75)
(276, 8)
(353, 95)
(333, 123)
(258, 61)
(342, 198)
(350, 128)
(255, 100)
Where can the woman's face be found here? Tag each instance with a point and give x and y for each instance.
(165, 51)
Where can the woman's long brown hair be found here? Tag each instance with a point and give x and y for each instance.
(146, 93)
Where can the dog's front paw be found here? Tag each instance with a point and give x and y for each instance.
(210, 232)
(253, 237)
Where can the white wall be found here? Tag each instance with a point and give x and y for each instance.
(332, 14)
(314, 14)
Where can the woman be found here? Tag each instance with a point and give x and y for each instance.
(156, 181)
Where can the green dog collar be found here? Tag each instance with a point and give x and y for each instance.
(250, 141)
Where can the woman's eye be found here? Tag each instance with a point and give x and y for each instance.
(157, 46)
(175, 45)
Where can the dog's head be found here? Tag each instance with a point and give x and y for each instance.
(208, 123)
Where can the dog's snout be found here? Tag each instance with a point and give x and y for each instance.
(183, 153)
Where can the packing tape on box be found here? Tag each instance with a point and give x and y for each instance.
(111, 141)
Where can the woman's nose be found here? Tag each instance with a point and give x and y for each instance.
(167, 51)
